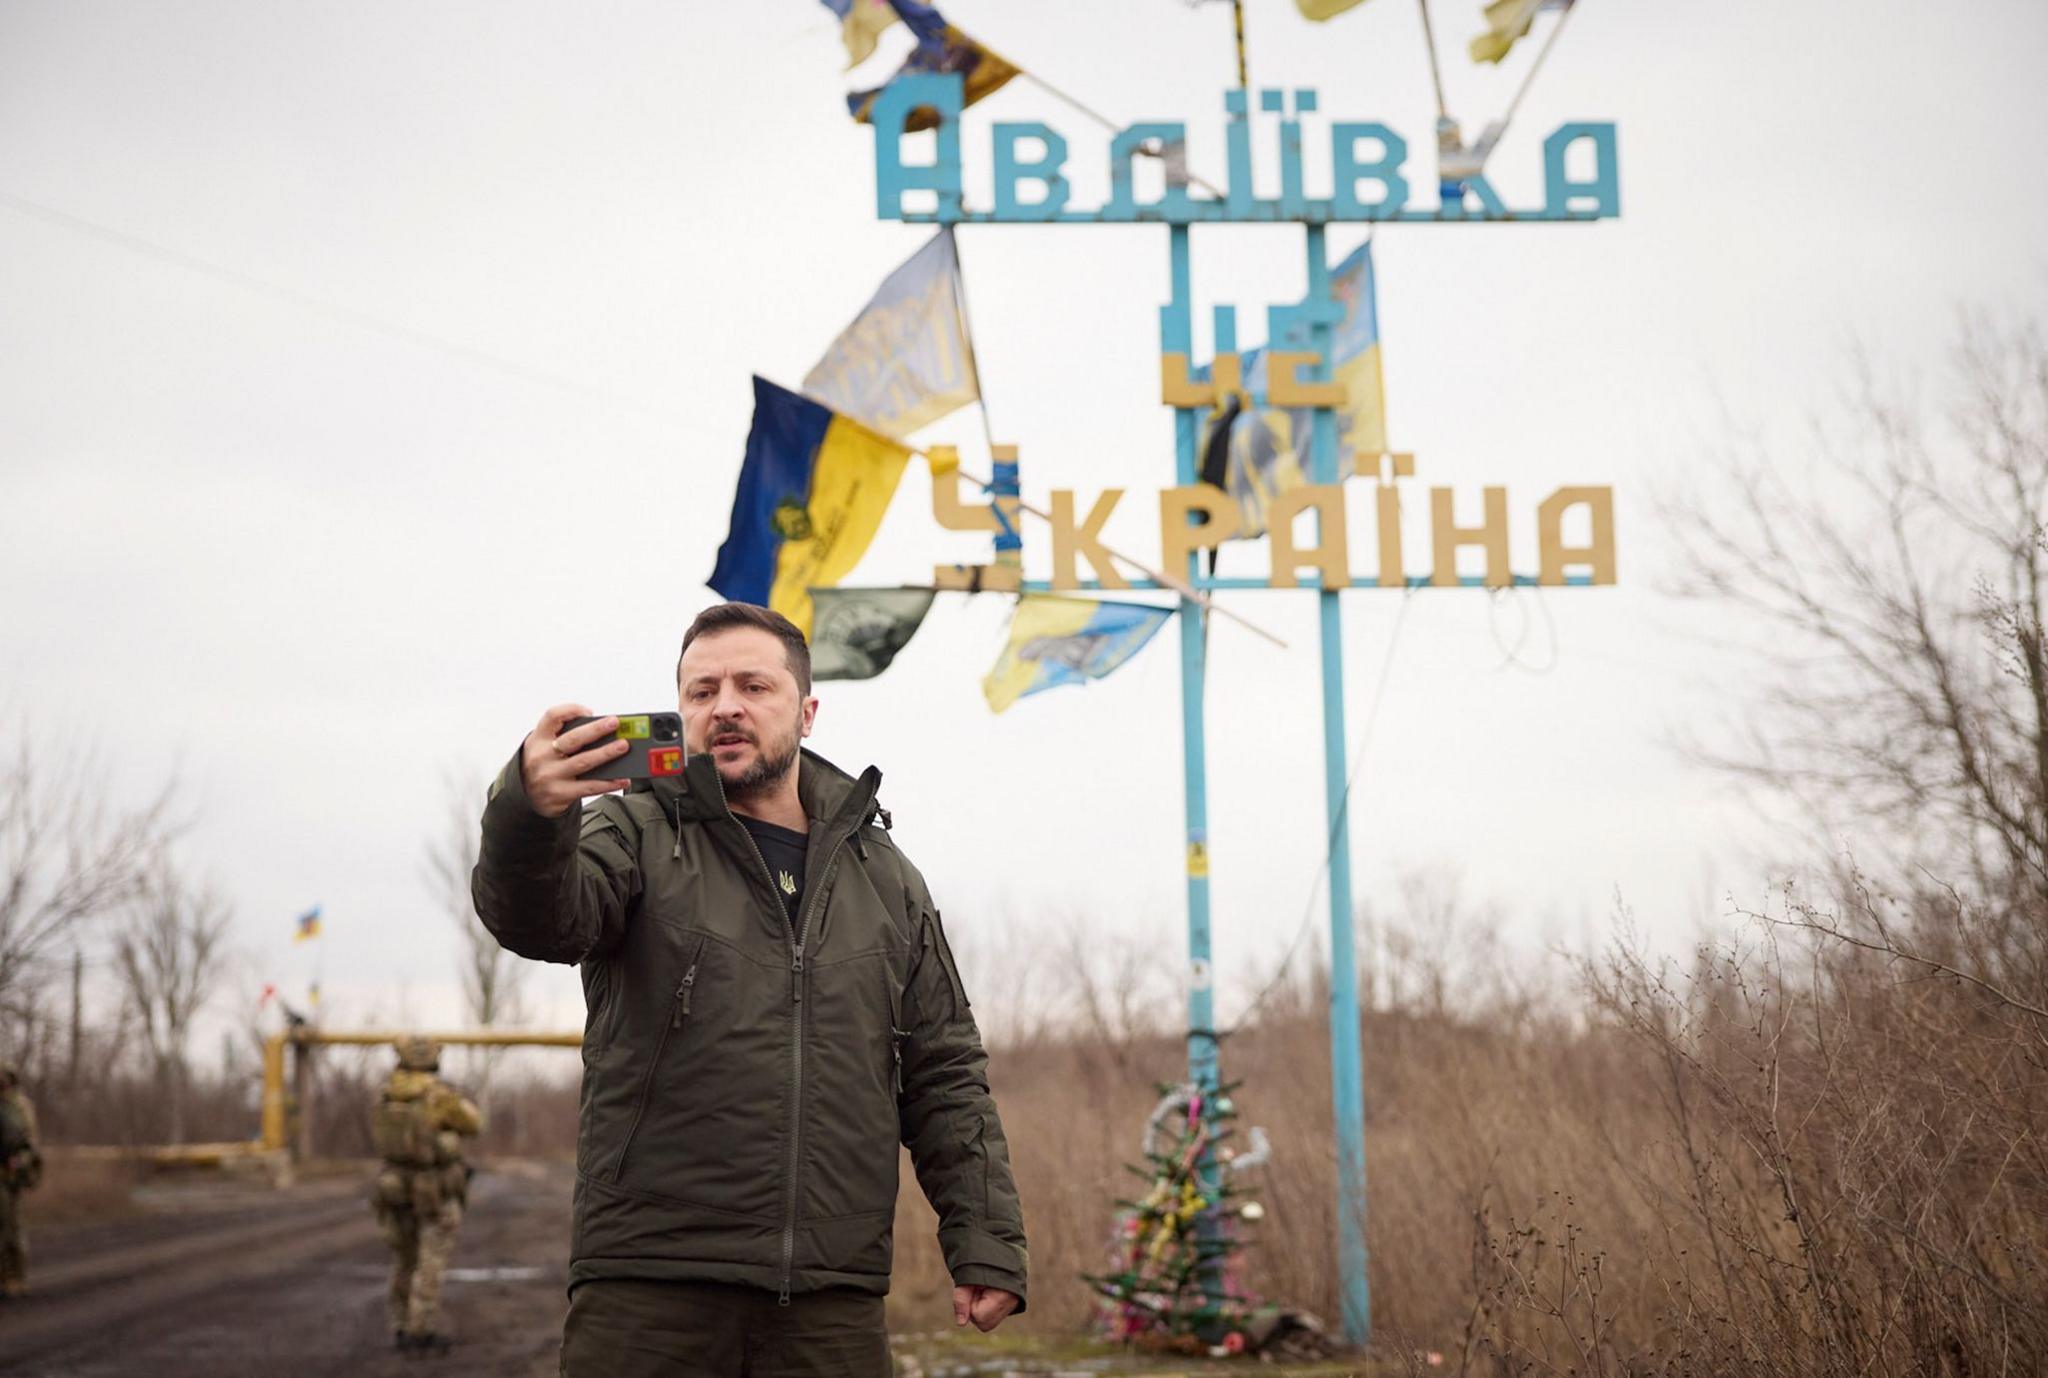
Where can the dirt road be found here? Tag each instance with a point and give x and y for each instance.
(213, 1278)
(229, 1280)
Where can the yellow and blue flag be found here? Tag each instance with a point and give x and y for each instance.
(904, 362)
(1270, 449)
(860, 23)
(308, 925)
(944, 50)
(1320, 9)
(812, 491)
(1508, 21)
(1055, 641)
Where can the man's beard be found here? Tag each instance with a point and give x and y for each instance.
(768, 769)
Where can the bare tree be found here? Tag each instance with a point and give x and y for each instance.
(167, 955)
(1903, 685)
(492, 978)
(66, 857)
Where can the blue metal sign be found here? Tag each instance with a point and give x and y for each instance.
(1369, 184)
(1367, 171)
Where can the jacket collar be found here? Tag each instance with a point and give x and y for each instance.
(832, 799)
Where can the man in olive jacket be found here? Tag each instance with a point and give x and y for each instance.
(772, 1008)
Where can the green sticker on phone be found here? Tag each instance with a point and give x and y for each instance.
(634, 729)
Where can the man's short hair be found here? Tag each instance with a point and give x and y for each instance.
(723, 617)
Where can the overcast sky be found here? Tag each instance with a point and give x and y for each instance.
(373, 375)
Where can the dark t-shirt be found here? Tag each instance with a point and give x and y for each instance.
(783, 850)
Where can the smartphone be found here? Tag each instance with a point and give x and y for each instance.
(655, 746)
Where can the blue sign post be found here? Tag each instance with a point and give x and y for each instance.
(1364, 155)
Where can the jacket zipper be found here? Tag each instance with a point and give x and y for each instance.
(896, 1035)
(796, 1057)
(681, 1012)
(815, 886)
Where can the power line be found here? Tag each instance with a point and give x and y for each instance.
(305, 301)
(1342, 811)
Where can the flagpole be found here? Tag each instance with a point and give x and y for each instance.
(1111, 125)
(988, 435)
(1436, 75)
(1244, 80)
(1179, 586)
(1157, 576)
(1537, 66)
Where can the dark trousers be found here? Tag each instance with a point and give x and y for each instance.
(624, 1328)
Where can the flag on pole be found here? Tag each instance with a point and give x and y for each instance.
(1506, 22)
(857, 633)
(308, 925)
(944, 50)
(1055, 641)
(812, 491)
(904, 362)
(1325, 9)
(860, 23)
(1271, 451)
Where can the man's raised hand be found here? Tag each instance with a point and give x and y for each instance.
(554, 761)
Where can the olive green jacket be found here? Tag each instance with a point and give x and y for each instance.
(744, 1089)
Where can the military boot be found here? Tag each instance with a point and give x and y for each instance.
(427, 1342)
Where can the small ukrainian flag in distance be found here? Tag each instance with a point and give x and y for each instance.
(308, 925)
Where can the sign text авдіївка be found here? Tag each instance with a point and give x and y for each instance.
(1368, 176)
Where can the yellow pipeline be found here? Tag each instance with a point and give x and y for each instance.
(273, 1059)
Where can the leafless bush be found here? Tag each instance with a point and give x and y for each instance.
(1850, 1175)
(168, 955)
(492, 978)
(1896, 592)
(67, 856)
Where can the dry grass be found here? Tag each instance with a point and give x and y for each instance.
(1792, 1158)
(1794, 1155)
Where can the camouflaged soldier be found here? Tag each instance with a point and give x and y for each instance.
(21, 1167)
(419, 1195)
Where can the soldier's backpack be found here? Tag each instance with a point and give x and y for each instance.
(21, 1167)
(404, 1130)
(13, 1130)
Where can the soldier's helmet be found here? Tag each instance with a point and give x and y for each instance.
(418, 1053)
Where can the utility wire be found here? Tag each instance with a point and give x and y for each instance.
(1330, 843)
(305, 301)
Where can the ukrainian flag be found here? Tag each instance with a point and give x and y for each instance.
(1055, 641)
(1270, 448)
(861, 23)
(308, 925)
(812, 491)
(944, 49)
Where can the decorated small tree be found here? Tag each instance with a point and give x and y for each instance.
(1175, 1271)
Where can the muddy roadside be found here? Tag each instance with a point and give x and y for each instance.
(214, 1277)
